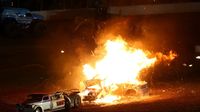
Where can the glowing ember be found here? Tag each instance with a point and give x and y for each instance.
(108, 99)
(120, 67)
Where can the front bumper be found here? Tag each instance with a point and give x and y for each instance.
(22, 108)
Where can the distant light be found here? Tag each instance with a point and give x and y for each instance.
(198, 57)
(12, 4)
(62, 51)
(184, 64)
(190, 65)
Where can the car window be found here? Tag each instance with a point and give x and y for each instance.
(57, 96)
(45, 98)
(33, 99)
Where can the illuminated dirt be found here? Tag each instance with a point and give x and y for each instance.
(165, 97)
(172, 97)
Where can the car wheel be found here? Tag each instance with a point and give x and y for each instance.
(67, 104)
(77, 101)
(38, 110)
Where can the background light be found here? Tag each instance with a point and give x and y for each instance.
(62, 51)
(198, 57)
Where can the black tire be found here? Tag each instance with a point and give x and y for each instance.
(38, 110)
(77, 101)
(67, 104)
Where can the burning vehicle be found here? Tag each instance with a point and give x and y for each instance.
(116, 73)
(96, 90)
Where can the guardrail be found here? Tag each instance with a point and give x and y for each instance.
(123, 10)
(155, 9)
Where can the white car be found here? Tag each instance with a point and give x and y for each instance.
(50, 102)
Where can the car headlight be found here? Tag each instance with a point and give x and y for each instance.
(32, 106)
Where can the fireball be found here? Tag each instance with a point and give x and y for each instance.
(119, 66)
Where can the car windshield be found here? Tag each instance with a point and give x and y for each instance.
(34, 98)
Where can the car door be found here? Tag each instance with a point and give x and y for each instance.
(58, 101)
(46, 103)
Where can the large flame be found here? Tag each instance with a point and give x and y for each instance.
(120, 64)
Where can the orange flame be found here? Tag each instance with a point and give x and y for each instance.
(120, 64)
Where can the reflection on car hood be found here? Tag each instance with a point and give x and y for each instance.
(37, 16)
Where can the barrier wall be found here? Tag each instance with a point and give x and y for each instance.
(155, 9)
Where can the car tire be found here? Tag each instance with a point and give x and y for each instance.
(77, 101)
(38, 110)
(67, 104)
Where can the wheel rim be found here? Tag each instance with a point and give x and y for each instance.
(37, 110)
(77, 101)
